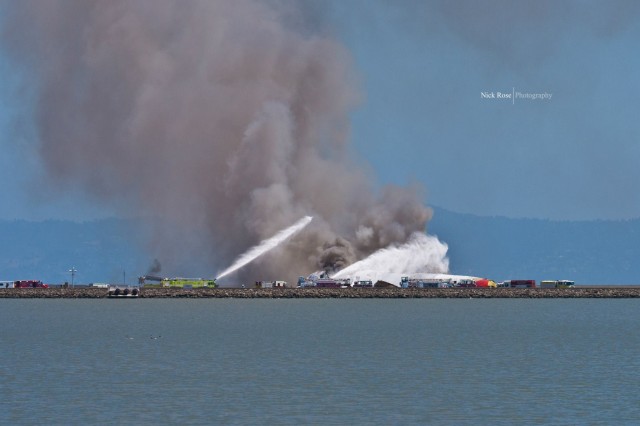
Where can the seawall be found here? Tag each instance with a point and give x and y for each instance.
(333, 293)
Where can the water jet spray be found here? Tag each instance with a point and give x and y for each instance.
(266, 245)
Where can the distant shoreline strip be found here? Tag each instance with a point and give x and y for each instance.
(594, 292)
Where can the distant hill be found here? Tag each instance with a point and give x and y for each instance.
(100, 251)
(589, 252)
(595, 252)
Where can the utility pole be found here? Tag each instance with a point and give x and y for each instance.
(73, 271)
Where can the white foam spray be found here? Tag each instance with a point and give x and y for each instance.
(421, 254)
(266, 245)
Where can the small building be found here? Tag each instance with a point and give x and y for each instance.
(271, 284)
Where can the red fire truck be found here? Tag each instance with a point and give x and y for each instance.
(29, 284)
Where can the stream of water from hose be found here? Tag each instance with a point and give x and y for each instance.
(266, 245)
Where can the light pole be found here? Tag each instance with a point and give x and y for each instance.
(73, 271)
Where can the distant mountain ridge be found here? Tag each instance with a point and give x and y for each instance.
(589, 252)
(593, 252)
(100, 250)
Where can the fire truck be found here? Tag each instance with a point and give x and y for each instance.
(557, 284)
(522, 284)
(152, 281)
(188, 282)
(328, 283)
(29, 284)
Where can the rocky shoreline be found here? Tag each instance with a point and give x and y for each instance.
(333, 293)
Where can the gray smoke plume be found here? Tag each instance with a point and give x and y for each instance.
(221, 122)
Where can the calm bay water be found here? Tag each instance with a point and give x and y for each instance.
(226, 361)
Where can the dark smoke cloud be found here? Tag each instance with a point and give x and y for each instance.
(155, 268)
(221, 122)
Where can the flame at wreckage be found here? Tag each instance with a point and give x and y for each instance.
(219, 123)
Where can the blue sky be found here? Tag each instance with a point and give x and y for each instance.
(422, 67)
(573, 157)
